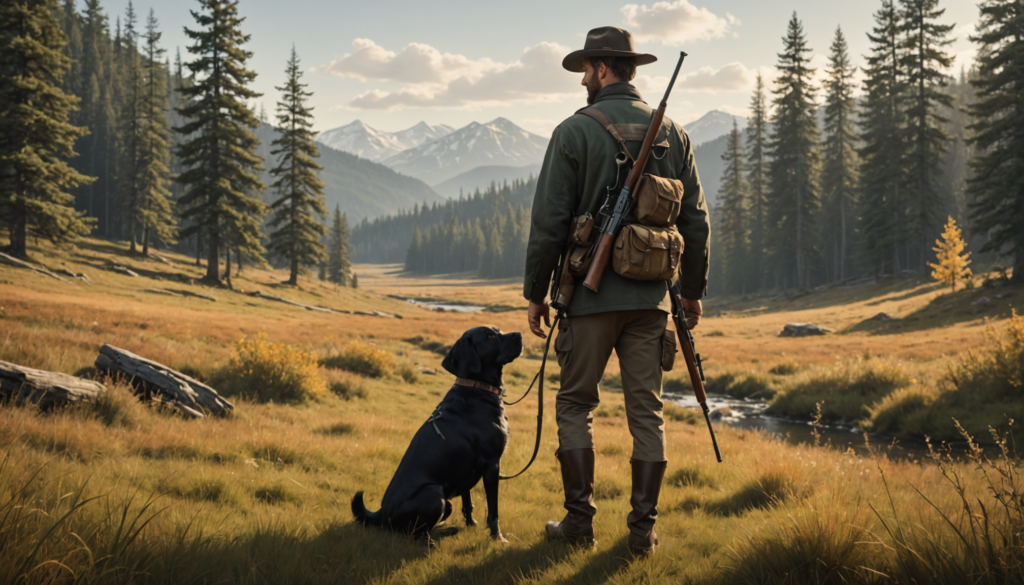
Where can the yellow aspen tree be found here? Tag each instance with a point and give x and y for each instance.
(953, 261)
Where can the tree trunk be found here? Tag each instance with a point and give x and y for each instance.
(19, 235)
(227, 265)
(213, 258)
(44, 389)
(131, 235)
(149, 378)
(145, 240)
(199, 249)
(293, 279)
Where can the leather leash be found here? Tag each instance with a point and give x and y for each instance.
(540, 397)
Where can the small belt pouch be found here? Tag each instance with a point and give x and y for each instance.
(668, 350)
(581, 233)
(647, 253)
(658, 200)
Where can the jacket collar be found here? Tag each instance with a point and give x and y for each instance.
(618, 91)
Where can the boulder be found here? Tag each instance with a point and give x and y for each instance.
(803, 330)
(982, 302)
(881, 317)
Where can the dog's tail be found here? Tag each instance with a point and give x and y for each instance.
(364, 516)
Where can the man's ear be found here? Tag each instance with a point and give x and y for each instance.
(462, 360)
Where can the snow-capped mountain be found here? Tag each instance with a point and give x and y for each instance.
(712, 125)
(498, 142)
(367, 142)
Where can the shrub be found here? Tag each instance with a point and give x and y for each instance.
(742, 386)
(784, 369)
(682, 414)
(346, 385)
(845, 389)
(118, 407)
(691, 477)
(999, 368)
(273, 371)
(362, 359)
(900, 412)
(408, 373)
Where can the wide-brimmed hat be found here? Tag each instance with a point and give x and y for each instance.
(606, 41)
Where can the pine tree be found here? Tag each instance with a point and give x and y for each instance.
(733, 197)
(883, 210)
(130, 127)
(793, 171)
(339, 267)
(952, 261)
(219, 151)
(998, 181)
(839, 174)
(35, 136)
(925, 63)
(98, 115)
(154, 207)
(298, 234)
(757, 178)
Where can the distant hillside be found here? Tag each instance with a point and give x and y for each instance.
(482, 177)
(712, 125)
(360, 187)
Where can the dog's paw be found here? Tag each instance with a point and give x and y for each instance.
(470, 522)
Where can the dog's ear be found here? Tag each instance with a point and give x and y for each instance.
(462, 360)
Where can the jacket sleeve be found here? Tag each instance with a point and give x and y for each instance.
(694, 224)
(553, 206)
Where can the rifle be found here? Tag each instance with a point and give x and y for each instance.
(611, 223)
(692, 359)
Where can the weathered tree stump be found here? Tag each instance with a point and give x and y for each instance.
(172, 387)
(44, 389)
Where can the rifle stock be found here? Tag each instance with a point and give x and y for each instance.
(692, 359)
(599, 262)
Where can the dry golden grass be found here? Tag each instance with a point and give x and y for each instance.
(263, 497)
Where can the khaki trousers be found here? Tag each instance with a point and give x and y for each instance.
(584, 345)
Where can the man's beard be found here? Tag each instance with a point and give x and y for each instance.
(593, 86)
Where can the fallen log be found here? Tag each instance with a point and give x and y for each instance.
(154, 378)
(44, 389)
(12, 261)
(803, 330)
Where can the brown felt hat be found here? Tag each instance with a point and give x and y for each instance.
(607, 41)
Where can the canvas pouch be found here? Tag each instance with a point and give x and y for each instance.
(658, 200)
(647, 253)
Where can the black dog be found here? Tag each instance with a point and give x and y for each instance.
(461, 442)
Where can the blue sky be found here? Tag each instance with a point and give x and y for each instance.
(393, 63)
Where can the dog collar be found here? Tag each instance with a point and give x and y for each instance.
(480, 385)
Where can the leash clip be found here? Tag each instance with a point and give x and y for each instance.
(432, 420)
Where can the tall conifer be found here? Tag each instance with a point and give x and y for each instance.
(301, 192)
(839, 174)
(757, 179)
(794, 162)
(220, 152)
(131, 127)
(998, 181)
(35, 136)
(339, 266)
(925, 63)
(733, 200)
(98, 115)
(154, 209)
(883, 208)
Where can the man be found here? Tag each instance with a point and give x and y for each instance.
(627, 315)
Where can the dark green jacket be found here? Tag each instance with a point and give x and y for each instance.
(578, 167)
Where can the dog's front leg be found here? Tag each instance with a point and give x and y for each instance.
(491, 490)
(467, 508)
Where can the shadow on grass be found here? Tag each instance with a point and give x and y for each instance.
(505, 563)
(600, 567)
(949, 309)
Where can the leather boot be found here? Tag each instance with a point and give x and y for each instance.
(578, 481)
(647, 478)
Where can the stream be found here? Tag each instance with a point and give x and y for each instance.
(444, 306)
(750, 414)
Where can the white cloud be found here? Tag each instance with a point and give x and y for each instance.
(416, 64)
(537, 76)
(675, 23)
(730, 77)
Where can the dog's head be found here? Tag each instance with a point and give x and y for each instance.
(481, 352)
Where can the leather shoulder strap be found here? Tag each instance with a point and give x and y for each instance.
(623, 132)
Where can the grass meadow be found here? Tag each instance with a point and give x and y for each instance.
(123, 492)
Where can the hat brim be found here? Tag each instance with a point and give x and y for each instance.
(574, 61)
